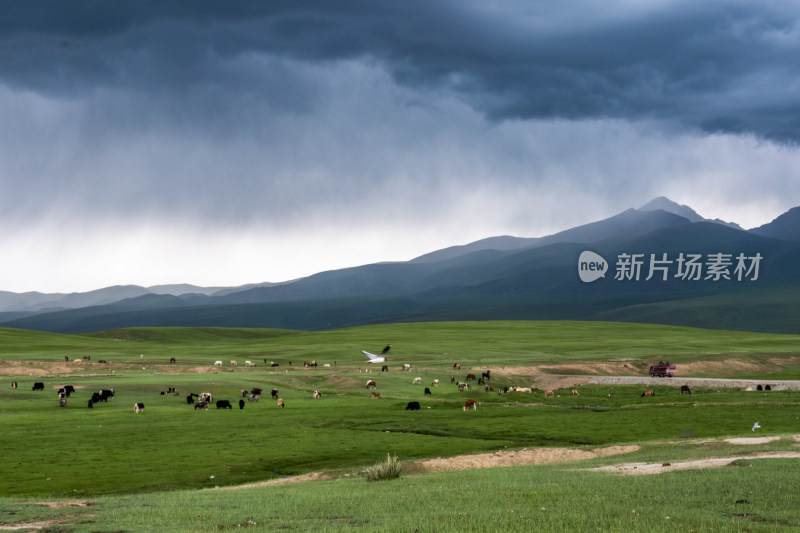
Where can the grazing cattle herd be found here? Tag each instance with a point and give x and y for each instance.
(203, 400)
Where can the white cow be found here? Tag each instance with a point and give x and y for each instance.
(217, 363)
(417, 381)
(248, 363)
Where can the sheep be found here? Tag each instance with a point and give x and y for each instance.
(281, 403)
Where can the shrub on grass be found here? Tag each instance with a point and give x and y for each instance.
(388, 469)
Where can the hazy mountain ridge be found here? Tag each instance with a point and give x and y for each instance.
(665, 204)
(786, 226)
(495, 278)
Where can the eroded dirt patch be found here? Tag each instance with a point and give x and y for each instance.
(18, 368)
(60, 504)
(312, 476)
(728, 367)
(752, 440)
(521, 457)
(638, 469)
(42, 524)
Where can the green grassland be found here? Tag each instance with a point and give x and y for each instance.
(160, 459)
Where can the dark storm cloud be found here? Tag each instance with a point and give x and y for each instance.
(709, 66)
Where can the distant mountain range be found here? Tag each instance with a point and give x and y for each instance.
(661, 263)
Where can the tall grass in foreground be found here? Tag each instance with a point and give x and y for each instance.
(383, 470)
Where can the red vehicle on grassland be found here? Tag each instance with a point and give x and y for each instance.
(662, 370)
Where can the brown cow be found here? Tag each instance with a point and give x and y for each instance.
(549, 394)
(385, 368)
(470, 377)
(685, 388)
(471, 404)
(457, 366)
(280, 403)
(575, 393)
(648, 392)
(317, 395)
(375, 395)
(371, 384)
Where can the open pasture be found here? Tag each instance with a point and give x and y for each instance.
(109, 449)
(77, 452)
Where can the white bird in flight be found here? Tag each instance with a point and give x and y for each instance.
(377, 358)
(756, 426)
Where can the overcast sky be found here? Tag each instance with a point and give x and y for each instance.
(223, 143)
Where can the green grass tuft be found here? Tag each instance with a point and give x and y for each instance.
(383, 470)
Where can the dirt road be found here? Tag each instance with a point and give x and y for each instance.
(553, 381)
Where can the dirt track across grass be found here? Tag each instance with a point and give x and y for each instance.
(535, 456)
(555, 381)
